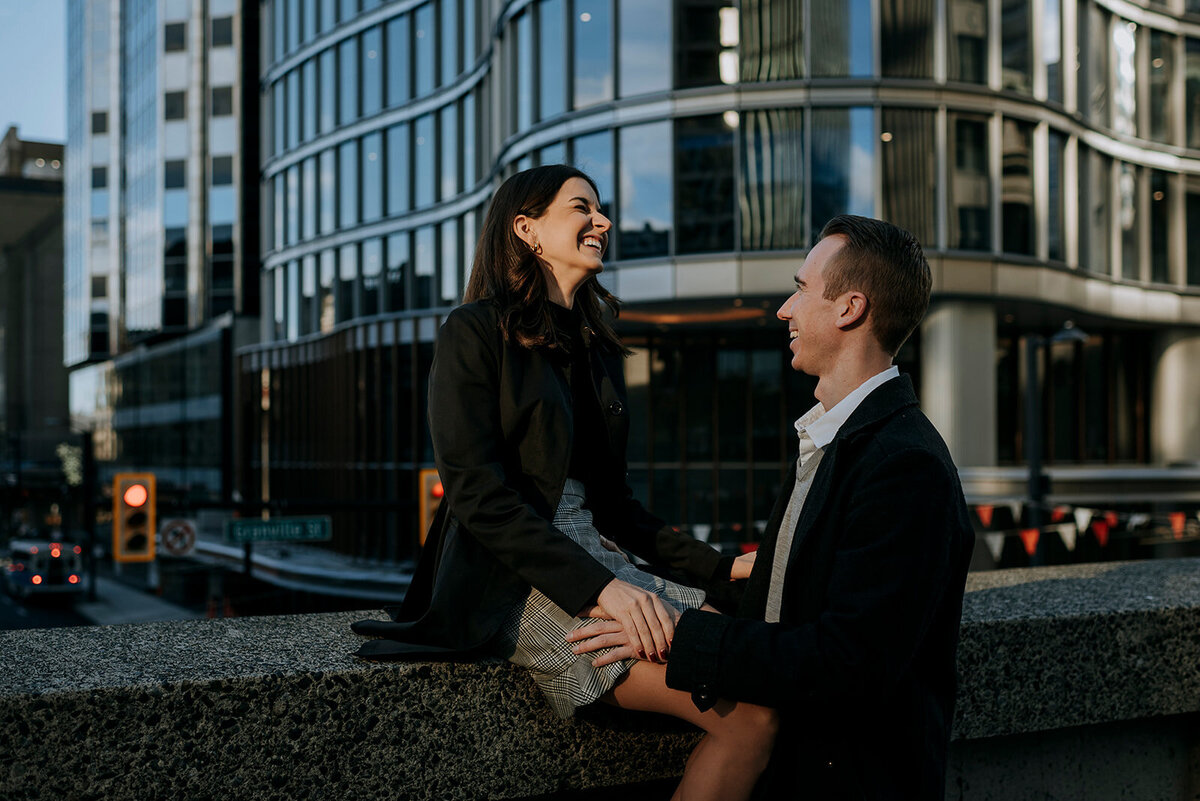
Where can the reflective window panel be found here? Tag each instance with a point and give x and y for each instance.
(372, 177)
(552, 55)
(448, 174)
(1192, 93)
(704, 184)
(397, 271)
(327, 107)
(1160, 226)
(969, 190)
(397, 169)
(1052, 48)
(449, 27)
(372, 71)
(424, 161)
(594, 155)
(1094, 203)
(772, 187)
(1162, 75)
(348, 184)
(593, 52)
(909, 171)
(1056, 211)
(1016, 67)
(348, 81)
(699, 54)
(1129, 192)
(1017, 221)
(843, 164)
(906, 38)
(328, 193)
(646, 191)
(1193, 239)
(841, 38)
(644, 47)
(425, 68)
(771, 40)
(399, 52)
(967, 29)
(451, 264)
(523, 32)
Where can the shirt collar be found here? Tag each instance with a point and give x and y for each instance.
(817, 427)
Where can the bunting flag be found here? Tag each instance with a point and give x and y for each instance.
(1137, 520)
(1082, 518)
(1015, 508)
(1068, 533)
(985, 515)
(1111, 519)
(995, 544)
(1178, 521)
(1059, 514)
(1100, 529)
(1030, 536)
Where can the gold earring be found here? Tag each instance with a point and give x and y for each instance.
(537, 249)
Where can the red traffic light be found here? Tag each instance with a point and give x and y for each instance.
(437, 490)
(135, 495)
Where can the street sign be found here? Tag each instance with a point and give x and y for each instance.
(279, 529)
(179, 537)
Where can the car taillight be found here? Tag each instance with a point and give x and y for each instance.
(78, 550)
(55, 552)
(36, 579)
(74, 579)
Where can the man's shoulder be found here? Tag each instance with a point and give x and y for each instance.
(906, 431)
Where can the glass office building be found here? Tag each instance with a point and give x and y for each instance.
(162, 173)
(1047, 154)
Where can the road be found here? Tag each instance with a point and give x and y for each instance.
(38, 613)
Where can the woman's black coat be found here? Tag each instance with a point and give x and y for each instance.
(500, 415)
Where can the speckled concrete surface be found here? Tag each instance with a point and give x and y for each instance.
(277, 708)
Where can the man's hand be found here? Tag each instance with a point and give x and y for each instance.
(604, 634)
(742, 566)
(649, 623)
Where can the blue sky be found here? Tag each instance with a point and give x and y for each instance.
(33, 90)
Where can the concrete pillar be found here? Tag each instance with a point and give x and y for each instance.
(958, 379)
(1175, 398)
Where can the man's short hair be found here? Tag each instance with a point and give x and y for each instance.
(885, 263)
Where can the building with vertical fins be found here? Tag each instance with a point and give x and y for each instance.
(160, 235)
(1047, 155)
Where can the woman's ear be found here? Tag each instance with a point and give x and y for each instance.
(523, 227)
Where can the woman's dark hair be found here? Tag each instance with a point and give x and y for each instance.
(507, 272)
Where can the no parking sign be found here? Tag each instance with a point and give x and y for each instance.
(179, 537)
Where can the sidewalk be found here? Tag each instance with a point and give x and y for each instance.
(117, 603)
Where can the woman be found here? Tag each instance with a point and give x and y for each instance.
(527, 414)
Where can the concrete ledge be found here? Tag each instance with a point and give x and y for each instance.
(276, 707)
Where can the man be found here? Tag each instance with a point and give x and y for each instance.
(849, 621)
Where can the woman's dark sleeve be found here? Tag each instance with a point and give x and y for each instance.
(468, 441)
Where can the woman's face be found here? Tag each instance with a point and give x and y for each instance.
(573, 233)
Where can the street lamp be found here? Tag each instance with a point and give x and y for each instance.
(1038, 483)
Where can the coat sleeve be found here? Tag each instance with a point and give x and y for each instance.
(468, 442)
(894, 563)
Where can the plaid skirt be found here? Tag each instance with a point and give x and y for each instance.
(534, 635)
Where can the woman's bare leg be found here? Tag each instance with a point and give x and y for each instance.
(735, 749)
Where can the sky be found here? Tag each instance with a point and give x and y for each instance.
(33, 68)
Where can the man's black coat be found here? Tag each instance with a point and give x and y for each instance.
(861, 663)
(501, 420)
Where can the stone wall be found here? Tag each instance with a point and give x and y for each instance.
(1074, 682)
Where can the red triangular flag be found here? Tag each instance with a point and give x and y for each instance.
(1111, 519)
(1059, 514)
(1030, 536)
(1178, 521)
(1100, 529)
(985, 514)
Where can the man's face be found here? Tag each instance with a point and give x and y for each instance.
(811, 319)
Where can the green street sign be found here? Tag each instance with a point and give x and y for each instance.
(278, 529)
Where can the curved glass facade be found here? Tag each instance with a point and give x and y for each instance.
(1045, 185)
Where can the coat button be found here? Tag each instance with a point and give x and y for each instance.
(616, 408)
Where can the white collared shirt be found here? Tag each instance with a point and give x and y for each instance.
(816, 428)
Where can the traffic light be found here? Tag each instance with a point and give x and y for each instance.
(431, 498)
(133, 517)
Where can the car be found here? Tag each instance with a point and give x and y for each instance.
(43, 567)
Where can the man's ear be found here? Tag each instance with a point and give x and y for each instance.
(523, 227)
(853, 310)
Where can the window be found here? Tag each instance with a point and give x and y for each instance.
(841, 38)
(593, 52)
(372, 177)
(969, 188)
(906, 39)
(372, 268)
(397, 170)
(523, 33)
(222, 101)
(308, 199)
(843, 159)
(594, 155)
(647, 206)
(348, 184)
(397, 270)
(222, 31)
(1052, 49)
(99, 287)
(174, 105)
(1056, 211)
(966, 59)
(450, 152)
(1129, 192)
(99, 177)
(773, 169)
(347, 303)
(1094, 41)
(425, 68)
(552, 52)
(1162, 75)
(174, 174)
(448, 25)
(771, 40)
(328, 194)
(1016, 187)
(450, 263)
(308, 115)
(175, 37)
(222, 170)
(909, 171)
(424, 153)
(327, 111)
(644, 49)
(1094, 203)
(1016, 67)
(372, 71)
(1160, 226)
(99, 122)
(348, 81)
(1193, 239)
(398, 54)
(704, 185)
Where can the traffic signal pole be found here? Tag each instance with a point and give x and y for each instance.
(89, 509)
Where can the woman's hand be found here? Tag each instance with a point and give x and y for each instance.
(648, 622)
(609, 545)
(742, 566)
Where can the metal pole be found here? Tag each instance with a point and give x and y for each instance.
(89, 509)
(1033, 436)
